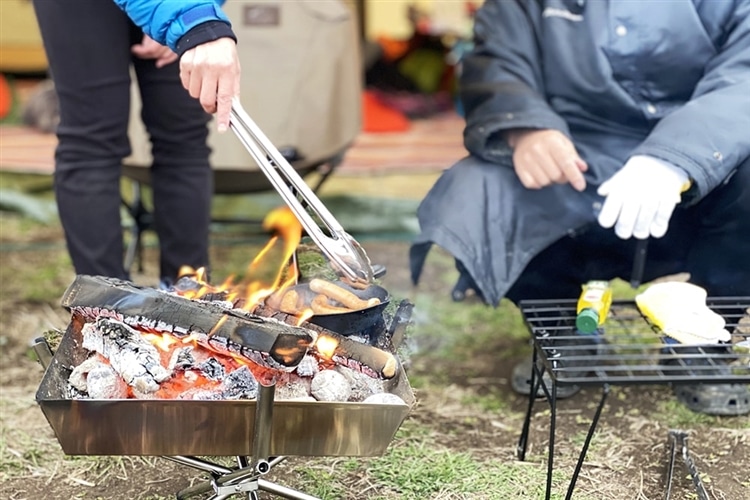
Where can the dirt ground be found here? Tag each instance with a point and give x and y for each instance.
(627, 460)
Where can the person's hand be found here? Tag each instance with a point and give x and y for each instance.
(544, 157)
(641, 197)
(211, 73)
(151, 49)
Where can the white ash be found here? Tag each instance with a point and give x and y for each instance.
(133, 357)
(385, 398)
(77, 377)
(239, 384)
(181, 358)
(97, 380)
(330, 385)
(104, 383)
(362, 386)
(184, 359)
(289, 386)
(308, 367)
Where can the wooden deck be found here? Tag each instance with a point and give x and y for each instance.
(429, 145)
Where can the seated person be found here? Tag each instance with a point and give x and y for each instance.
(592, 125)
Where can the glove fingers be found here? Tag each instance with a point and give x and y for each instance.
(628, 217)
(660, 223)
(646, 214)
(610, 210)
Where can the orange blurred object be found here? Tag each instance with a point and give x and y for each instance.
(6, 97)
(378, 117)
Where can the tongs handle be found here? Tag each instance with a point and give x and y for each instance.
(344, 252)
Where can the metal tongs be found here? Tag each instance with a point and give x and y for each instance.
(346, 255)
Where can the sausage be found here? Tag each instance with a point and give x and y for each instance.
(335, 292)
(320, 305)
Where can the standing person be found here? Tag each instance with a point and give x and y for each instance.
(91, 46)
(587, 116)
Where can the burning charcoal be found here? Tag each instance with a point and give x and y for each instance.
(308, 367)
(292, 387)
(182, 359)
(362, 386)
(77, 377)
(330, 385)
(132, 356)
(385, 398)
(212, 369)
(240, 384)
(105, 383)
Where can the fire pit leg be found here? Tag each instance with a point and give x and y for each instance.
(263, 427)
(246, 480)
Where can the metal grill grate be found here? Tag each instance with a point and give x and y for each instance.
(629, 350)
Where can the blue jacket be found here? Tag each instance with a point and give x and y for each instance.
(167, 21)
(620, 78)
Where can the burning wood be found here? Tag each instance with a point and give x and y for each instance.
(280, 345)
(166, 346)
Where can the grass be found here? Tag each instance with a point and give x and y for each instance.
(459, 442)
(417, 467)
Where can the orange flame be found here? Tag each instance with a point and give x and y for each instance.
(269, 272)
(326, 346)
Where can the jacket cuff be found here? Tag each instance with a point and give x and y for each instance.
(202, 33)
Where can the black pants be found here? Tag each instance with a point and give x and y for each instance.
(88, 47)
(710, 240)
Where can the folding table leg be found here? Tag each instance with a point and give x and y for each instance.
(585, 449)
(534, 384)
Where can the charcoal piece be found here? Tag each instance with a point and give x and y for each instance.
(385, 398)
(240, 384)
(362, 386)
(104, 383)
(182, 359)
(292, 386)
(308, 367)
(330, 385)
(135, 359)
(77, 378)
(212, 369)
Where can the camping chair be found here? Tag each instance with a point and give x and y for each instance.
(301, 83)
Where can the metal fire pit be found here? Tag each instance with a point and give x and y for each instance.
(211, 428)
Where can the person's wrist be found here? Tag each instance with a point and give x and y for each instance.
(513, 136)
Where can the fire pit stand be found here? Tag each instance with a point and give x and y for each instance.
(629, 351)
(246, 478)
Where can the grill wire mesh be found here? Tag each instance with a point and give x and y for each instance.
(629, 350)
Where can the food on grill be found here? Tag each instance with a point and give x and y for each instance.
(679, 310)
(320, 305)
(341, 295)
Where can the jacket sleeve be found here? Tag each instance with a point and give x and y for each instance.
(501, 84)
(168, 21)
(710, 135)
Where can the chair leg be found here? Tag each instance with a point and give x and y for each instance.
(326, 169)
(142, 221)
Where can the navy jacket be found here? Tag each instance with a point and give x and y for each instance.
(620, 78)
(179, 24)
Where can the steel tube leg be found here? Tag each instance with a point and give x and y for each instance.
(552, 420)
(534, 383)
(589, 436)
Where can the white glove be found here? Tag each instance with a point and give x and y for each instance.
(641, 197)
